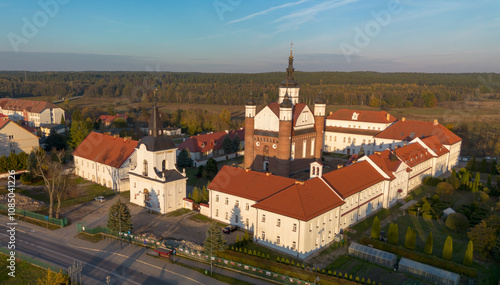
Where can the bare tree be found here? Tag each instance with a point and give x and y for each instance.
(53, 173)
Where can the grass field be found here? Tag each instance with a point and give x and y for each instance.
(26, 273)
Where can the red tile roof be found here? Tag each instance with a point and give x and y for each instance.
(353, 178)
(302, 201)
(28, 105)
(364, 116)
(275, 107)
(3, 116)
(108, 118)
(3, 121)
(433, 143)
(206, 142)
(249, 184)
(403, 130)
(352, 131)
(297, 109)
(109, 150)
(413, 154)
(383, 160)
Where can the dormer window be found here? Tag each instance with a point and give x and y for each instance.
(145, 168)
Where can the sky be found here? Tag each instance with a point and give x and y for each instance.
(250, 36)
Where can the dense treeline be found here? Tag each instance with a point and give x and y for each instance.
(354, 88)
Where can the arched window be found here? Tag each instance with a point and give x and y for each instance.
(145, 169)
(163, 164)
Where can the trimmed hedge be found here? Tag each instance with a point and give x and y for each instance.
(421, 257)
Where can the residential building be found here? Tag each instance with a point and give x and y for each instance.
(105, 160)
(33, 112)
(46, 129)
(15, 139)
(107, 120)
(205, 146)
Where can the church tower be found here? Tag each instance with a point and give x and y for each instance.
(250, 108)
(285, 136)
(289, 85)
(319, 125)
(285, 150)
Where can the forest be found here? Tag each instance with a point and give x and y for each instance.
(395, 90)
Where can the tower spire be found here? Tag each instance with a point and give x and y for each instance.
(155, 127)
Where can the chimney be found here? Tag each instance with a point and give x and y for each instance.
(340, 166)
(299, 182)
(377, 152)
(387, 116)
(115, 136)
(268, 173)
(403, 119)
(331, 113)
(247, 169)
(435, 122)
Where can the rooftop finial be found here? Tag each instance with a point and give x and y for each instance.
(154, 96)
(291, 48)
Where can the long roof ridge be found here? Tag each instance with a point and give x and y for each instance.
(331, 188)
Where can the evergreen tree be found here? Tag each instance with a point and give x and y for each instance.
(493, 169)
(484, 166)
(448, 248)
(63, 121)
(227, 144)
(119, 211)
(78, 132)
(214, 242)
(184, 159)
(489, 180)
(393, 235)
(211, 168)
(410, 238)
(468, 254)
(376, 228)
(428, 244)
(453, 173)
(204, 195)
(473, 164)
(236, 142)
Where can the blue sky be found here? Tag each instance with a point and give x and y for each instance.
(251, 36)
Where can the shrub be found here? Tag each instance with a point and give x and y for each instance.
(426, 207)
(350, 277)
(339, 274)
(481, 196)
(457, 222)
(368, 281)
(410, 238)
(363, 280)
(448, 248)
(357, 279)
(26, 177)
(329, 272)
(268, 257)
(345, 275)
(468, 254)
(277, 259)
(282, 260)
(444, 188)
(453, 181)
(376, 228)
(428, 244)
(428, 216)
(435, 199)
(245, 251)
(393, 235)
(417, 191)
(431, 181)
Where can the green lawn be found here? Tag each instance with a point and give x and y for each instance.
(177, 213)
(26, 273)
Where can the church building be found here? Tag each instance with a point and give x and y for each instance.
(155, 182)
(285, 136)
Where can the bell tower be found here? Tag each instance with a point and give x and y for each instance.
(289, 85)
(319, 124)
(285, 137)
(250, 108)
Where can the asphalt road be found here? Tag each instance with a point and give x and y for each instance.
(125, 266)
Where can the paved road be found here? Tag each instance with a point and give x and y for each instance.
(127, 265)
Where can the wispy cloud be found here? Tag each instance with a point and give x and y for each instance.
(295, 19)
(263, 12)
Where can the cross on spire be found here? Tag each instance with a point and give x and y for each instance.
(291, 48)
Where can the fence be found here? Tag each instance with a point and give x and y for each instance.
(197, 255)
(20, 212)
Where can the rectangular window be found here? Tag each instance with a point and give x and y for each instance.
(263, 235)
(310, 227)
(304, 146)
(227, 201)
(294, 245)
(216, 212)
(216, 198)
(317, 223)
(278, 239)
(293, 151)
(227, 216)
(278, 223)
(312, 147)
(329, 234)
(246, 222)
(237, 204)
(247, 207)
(335, 138)
(324, 220)
(263, 218)
(294, 228)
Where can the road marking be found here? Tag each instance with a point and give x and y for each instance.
(82, 262)
(143, 262)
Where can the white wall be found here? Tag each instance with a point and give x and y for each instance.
(14, 138)
(266, 120)
(236, 206)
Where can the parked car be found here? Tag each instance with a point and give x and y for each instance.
(229, 229)
(101, 199)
